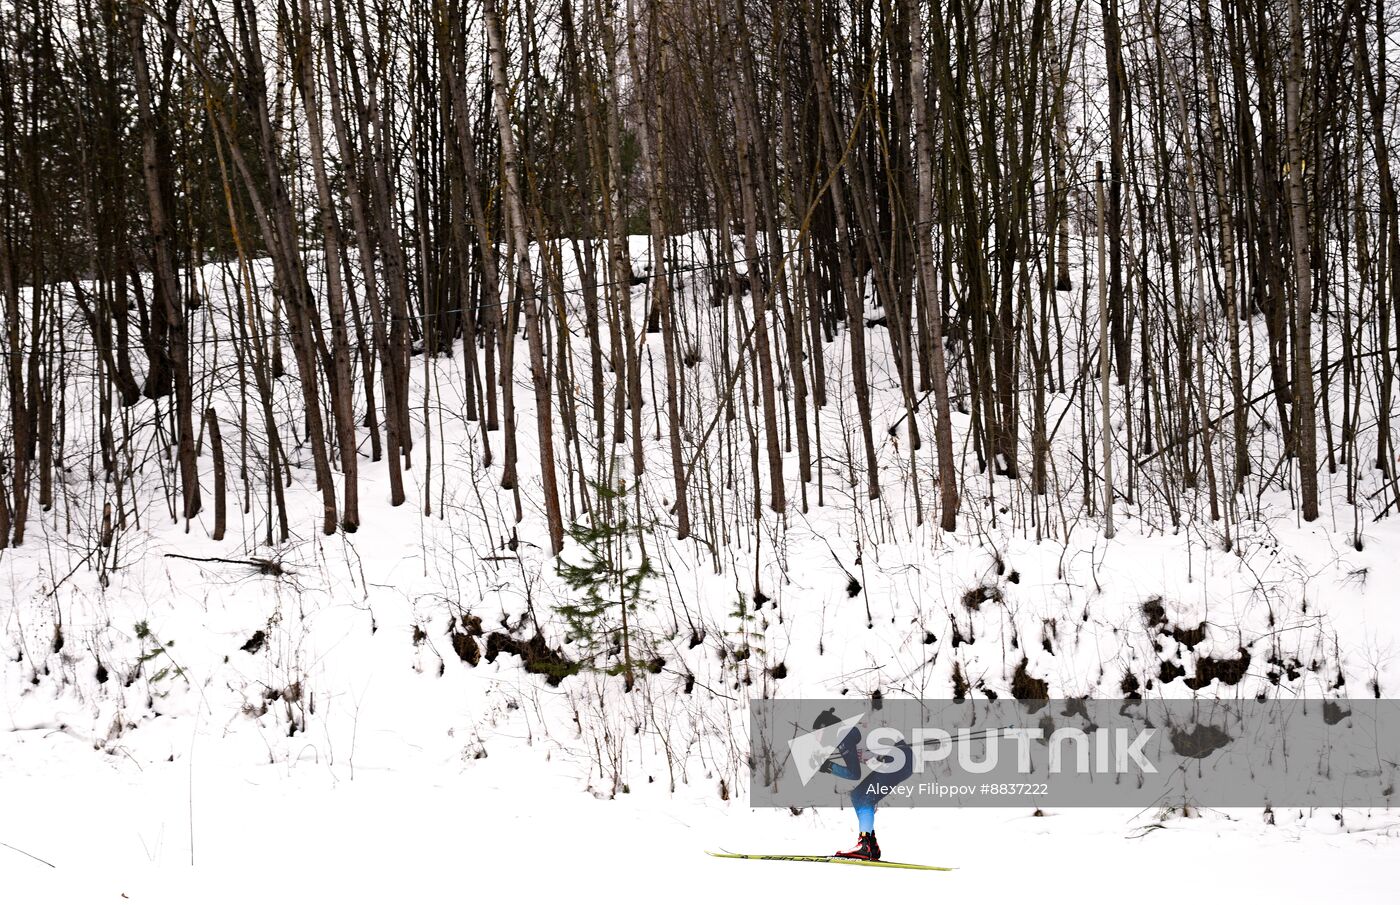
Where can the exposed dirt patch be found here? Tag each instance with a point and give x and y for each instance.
(960, 686)
(468, 651)
(1025, 687)
(537, 655)
(973, 598)
(1154, 612)
(1290, 667)
(1076, 707)
(1333, 713)
(470, 624)
(1228, 671)
(1200, 741)
(1169, 672)
(1189, 637)
(1129, 686)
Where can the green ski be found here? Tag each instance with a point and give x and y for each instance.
(828, 859)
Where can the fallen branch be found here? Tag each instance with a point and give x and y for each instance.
(264, 566)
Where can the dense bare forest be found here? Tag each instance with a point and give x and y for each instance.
(1160, 239)
(495, 398)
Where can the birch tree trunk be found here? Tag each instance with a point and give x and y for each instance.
(943, 431)
(515, 214)
(1305, 418)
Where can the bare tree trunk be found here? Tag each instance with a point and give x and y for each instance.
(167, 287)
(360, 218)
(943, 429)
(216, 448)
(515, 212)
(14, 511)
(1305, 419)
(650, 137)
(341, 397)
(758, 292)
(1227, 248)
(1104, 364)
(852, 293)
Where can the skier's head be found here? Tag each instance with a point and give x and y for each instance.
(826, 718)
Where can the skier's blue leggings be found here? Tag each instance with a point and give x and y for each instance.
(875, 784)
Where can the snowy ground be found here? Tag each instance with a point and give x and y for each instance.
(176, 731)
(435, 829)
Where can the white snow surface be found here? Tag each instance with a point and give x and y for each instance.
(354, 757)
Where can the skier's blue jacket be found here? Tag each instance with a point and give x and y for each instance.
(876, 784)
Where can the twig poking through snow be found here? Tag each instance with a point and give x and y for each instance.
(28, 855)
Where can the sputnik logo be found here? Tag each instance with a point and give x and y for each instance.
(812, 749)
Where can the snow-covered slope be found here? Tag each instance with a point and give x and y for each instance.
(351, 724)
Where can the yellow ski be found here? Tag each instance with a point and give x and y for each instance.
(828, 859)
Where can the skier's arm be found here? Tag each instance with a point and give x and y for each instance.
(849, 765)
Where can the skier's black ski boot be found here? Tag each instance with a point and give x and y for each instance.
(867, 849)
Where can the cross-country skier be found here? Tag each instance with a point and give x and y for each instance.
(870, 787)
